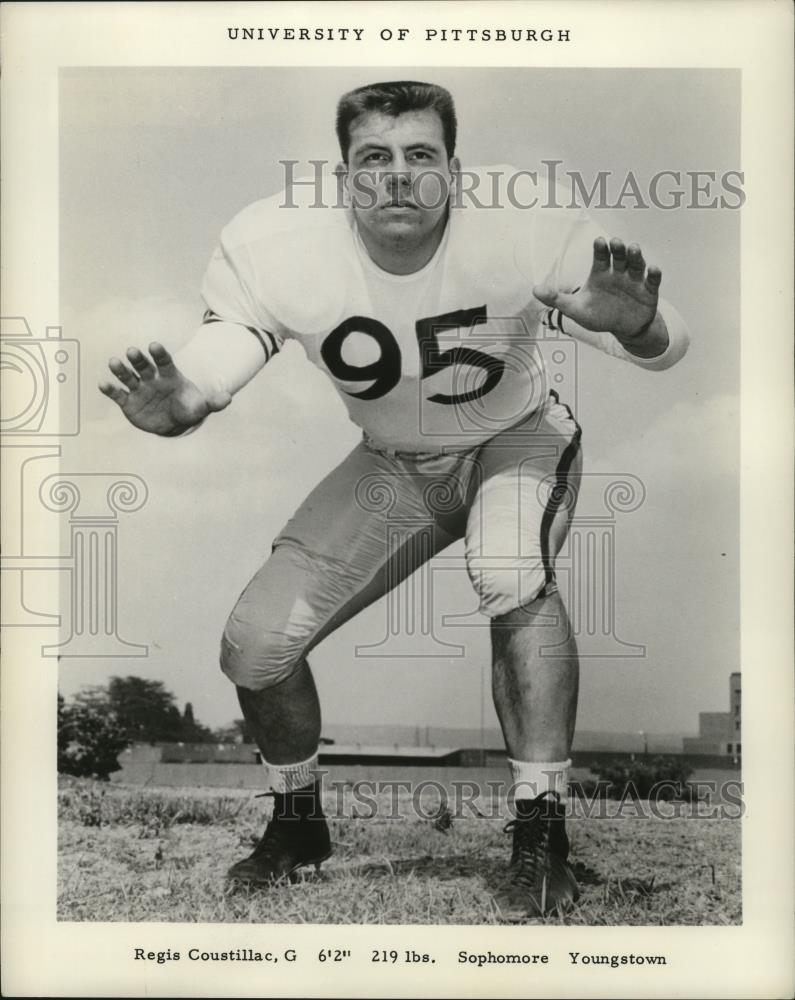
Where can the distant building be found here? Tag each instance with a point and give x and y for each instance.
(719, 732)
(231, 763)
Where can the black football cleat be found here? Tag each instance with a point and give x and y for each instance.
(290, 842)
(541, 881)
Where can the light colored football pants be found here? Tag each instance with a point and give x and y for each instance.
(379, 515)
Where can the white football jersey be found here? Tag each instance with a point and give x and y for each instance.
(443, 358)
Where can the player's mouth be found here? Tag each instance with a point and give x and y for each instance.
(400, 206)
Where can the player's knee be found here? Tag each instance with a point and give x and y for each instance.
(503, 588)
(256, 656)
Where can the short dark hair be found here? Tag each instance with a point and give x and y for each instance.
(395, 99)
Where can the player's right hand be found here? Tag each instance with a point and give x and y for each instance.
(155, 396)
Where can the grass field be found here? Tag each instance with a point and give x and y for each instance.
(140, 854)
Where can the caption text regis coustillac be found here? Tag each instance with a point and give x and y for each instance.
(393, 956)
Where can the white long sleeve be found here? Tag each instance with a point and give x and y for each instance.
(221, 357)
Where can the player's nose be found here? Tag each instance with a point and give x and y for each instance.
(398, 179)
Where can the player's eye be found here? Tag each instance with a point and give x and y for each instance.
(375, 158)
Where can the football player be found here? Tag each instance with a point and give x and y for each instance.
(423, 309)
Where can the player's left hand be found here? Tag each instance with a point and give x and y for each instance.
(620, 295)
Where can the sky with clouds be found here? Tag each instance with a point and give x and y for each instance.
(155, 161)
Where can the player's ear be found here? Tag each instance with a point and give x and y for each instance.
(454, 165)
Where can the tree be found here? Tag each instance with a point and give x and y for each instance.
(100, 721)
(146, 709)
(90, 737)
(193, 731)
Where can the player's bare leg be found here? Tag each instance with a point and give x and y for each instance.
(284, 719)
(535, 694)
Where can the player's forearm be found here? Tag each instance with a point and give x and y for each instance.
(651, 342)
(673, 350)
(221, 357)
(664, 343)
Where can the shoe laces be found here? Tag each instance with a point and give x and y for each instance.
(274, 840)
(531, 843)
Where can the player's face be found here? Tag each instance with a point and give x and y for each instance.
(399, 176)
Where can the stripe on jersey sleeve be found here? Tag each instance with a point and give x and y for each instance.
(265, 337)
(553, 318)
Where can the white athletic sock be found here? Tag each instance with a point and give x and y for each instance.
(532, 778)
(291, 777)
